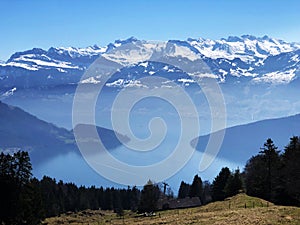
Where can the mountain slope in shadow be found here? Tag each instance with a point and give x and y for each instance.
(20, 130)
(243, 141)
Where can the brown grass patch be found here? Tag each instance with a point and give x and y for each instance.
(230, 211)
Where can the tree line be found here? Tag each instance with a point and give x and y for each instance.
(275, 175)
(27, 200)
(270, 175)
(224, 185)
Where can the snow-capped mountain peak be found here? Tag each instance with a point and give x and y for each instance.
(247, 47)
(78, 52)
(258, 59)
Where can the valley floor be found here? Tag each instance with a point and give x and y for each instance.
(230, 211)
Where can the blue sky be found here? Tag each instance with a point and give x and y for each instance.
(46, 23)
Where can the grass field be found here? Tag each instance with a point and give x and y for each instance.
(240, 209)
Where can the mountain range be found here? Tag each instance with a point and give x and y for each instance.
(255, 59)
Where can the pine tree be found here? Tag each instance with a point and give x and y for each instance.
(206, 196)
(262, 173)
(23, 167)
(234, 184)
(184, 190)
(117, 203)
(219, 183)
(256, 177)
(196, 189)
(291, 172)
(20, 201)
(134, 198)
(108, 199)
(31, 203)
(149, 197)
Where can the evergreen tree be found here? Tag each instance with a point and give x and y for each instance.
(291, 172)
(49, 189)
(108, 199)
(71, 197)
(256, 177)
(117, 203)
(271, 156)
(31, 203)
(9, 191)
(219, 183)
(184, 190)
(149, 197)
(196, 189)
(234, 184)
(23, 167)
(262, 173)
(18, 197)
(134, 199)
(206, 196)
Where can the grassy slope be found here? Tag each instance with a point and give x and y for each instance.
(214, 213)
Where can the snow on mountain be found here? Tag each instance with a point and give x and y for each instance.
(126, 83)
(132, 52)
(277, 77)
(37, 63)
(90, 80)
(261, 59)
(9, 92)
(21, 65)
(246, 47)
(77, 52)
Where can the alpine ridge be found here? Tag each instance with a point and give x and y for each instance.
(247, 58)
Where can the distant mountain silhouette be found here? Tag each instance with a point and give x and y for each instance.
(20, 130)
(243, 141)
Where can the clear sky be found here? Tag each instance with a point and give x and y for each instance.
(44, 23)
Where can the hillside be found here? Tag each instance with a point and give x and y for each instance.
(213, 213)
(20, 130)
(243, 141)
